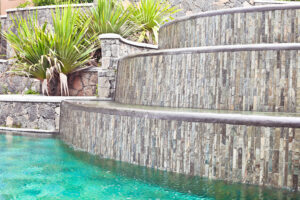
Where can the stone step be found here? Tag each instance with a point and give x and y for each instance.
(251, 25)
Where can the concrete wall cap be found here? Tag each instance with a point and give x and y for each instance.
(41, 99)
(191, 115)
(3, 61)
(90, 69)
(276, 2)
(221, 48)
(48, 7)
(112, 36)
(26, 131)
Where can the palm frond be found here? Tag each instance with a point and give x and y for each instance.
(149, 15)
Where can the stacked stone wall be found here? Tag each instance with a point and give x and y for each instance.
(81, 83)
(257, 79)
(84, 83)
(113, 47)
(250, 154)
(268, 24)
(32, 115)
(14, 84)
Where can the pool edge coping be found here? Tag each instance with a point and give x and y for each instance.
(205, 117)
(28, 132)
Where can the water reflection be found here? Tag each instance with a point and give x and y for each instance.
(201, 187)
(35, 167)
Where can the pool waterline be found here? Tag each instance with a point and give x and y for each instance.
(45, 168)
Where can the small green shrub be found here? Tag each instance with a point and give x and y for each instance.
(5, 90)
(43, 2)
(57, 2)
(14, 125)
(30, 91)
(17, 125)
(24, 5)
(97, 91)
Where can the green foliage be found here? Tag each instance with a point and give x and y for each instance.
(97, 91)
(109, 16)
(5, 90)
(71, 46)
(57, 2)
(31, 44)
(141, 19)
(43, 2)
(30, 91)
(24, 5)
(15, 125)
(50, 54)
(149, 15)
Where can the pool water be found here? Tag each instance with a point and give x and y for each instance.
(46, 168)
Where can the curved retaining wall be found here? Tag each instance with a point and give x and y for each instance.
(259, 24)
(218, 146)
(246, 78)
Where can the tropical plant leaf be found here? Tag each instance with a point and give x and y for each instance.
(149, 15)
(47, 54)
(110, 16)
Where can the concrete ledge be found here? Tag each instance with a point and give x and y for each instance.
(129, 42)
(92, 69)
(3, 61)
(190, 115)
(235, 10)
(48, 7)
(28, 134)
(28, 131)
(272, 2)
(221, 48)
(40, 99)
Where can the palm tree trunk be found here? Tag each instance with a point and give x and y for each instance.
(54, 85)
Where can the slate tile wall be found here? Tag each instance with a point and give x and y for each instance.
(239, 153)
(229, 28)
(266, 80)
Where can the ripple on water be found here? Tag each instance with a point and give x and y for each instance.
(39, 168)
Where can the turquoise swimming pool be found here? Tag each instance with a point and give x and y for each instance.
(46, 168)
